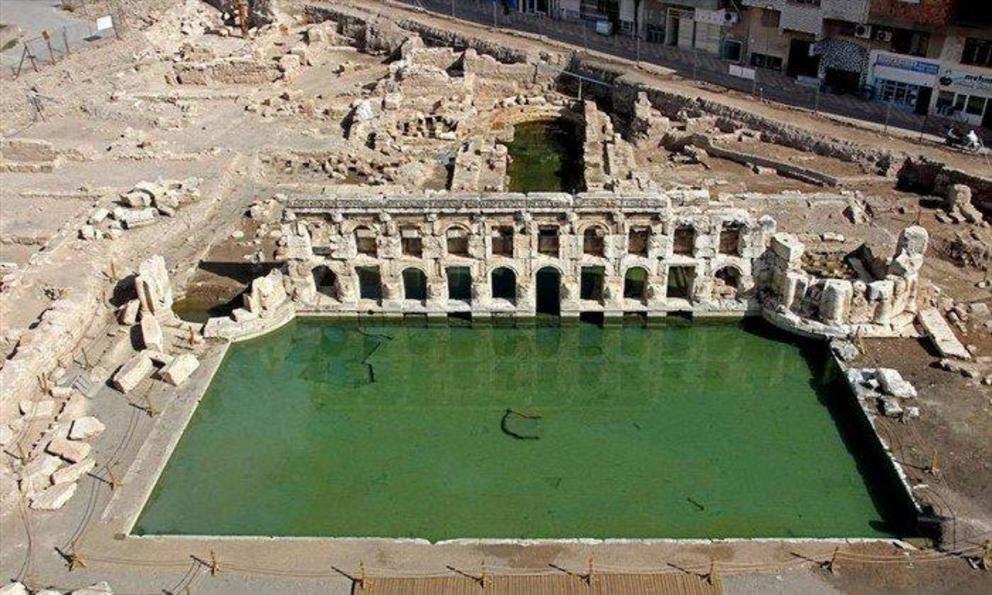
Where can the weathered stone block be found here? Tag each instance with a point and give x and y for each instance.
(788, 248)
(835, 301)
(132, 372)
(892, 383)
(54, 497)
(180, 369)
(151, 333)
(86, 427)
(70, 450)
(74, 472)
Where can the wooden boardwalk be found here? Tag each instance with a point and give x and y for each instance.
(603, 584)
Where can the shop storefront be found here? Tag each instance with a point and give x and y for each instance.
(965, 95)
(906, 82)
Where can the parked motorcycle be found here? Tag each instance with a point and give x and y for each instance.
(965, 141)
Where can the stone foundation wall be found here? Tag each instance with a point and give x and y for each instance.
(932, 177)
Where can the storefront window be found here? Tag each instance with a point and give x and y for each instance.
(897, 92)
(975, 106)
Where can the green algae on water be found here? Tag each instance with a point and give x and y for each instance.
(692, 431)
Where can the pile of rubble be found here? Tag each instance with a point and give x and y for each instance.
(887, 388)
(150, 314)
(140, 206)
(48, 470)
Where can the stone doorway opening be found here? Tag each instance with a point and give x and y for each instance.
(369, 283)
(680, 282)
(459, 284)
(548, 283)
(591, 283)
(326, 281)
(504, 284)
(414, 284)
(635, 284)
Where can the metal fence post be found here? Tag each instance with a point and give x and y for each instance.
(888, 113)
(816, 102)
(65, 41)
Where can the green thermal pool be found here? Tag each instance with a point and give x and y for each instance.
(544, 157)
(396, 431)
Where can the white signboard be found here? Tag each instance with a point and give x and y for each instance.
(104, 23)
(904, 69)
(740, 71)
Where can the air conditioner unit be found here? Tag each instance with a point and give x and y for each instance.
(730, 18)
(883, 35)
(863, 31)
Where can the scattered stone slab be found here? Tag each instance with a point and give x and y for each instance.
(151, 333)
(132, 218)
(74, 472)
(132, 372)
(74, 408)
(13, 589)
(942, 335)
(894, 384)
(176, 372)
(53, 497)
(70, 450)
(86, 427)
(35, 409)
(35, 475)
(100, 588)
(891, 407)
(128, 313)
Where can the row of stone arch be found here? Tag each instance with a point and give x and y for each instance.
(504, 283)
(593, 240)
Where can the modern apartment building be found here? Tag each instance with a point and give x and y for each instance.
(925, 56)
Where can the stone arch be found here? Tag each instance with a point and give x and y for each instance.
(456, 239)
(326, 281)
(727, 282)
(635, 283)
(547, 280)
(504, 283)
(414, 284)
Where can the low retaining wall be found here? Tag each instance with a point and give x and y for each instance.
(910, 510)
(933, 177)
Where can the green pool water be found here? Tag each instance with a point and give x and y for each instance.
(544, 157)
(395, 431)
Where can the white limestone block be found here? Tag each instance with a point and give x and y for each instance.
(37, 473)
(943, 337)
(100, 588)
(788, 248)
(69, 450)
(53, 497)
(74, 472)
(6, 435)
(894, 384)
(151, 333)
(86, 427)
(128, 313)
(40, 408)
(13, 589)
(180, 369)
(73, 408)
(132, 372)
